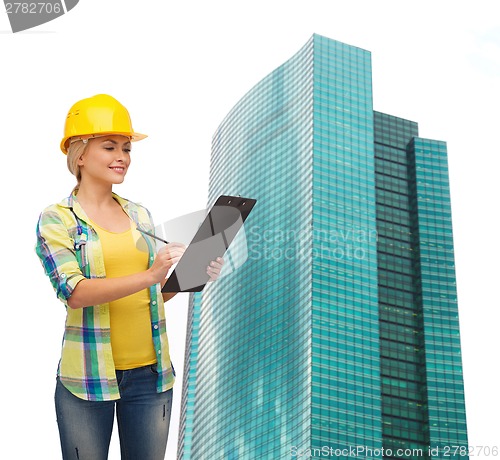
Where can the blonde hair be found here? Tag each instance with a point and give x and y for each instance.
(75, 150)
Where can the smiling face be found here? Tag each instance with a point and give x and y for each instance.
(106, 160)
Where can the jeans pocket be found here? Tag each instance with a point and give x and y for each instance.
(154, 368)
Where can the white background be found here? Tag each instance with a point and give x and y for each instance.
(179, 67)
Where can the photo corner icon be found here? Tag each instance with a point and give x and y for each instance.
(26, 15)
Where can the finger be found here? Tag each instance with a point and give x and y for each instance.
(175, 260)
(212, 276)
(176, 245)
(215, 265)
(219, 262)
(213, 273)
(173, 252)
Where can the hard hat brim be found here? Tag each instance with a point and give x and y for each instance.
(134, 137)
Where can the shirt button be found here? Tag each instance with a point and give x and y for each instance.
(63, 275)
(151, 258)
(156, 326)
(154, 302)
(159, 351)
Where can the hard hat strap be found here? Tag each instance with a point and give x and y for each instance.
(86, 138)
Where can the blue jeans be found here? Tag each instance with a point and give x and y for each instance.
(143, 417)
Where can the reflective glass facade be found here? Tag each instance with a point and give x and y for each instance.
(341, 328)
(345, 367)
(402, 349)
(436, 291)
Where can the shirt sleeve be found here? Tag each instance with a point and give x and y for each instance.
(56, 251)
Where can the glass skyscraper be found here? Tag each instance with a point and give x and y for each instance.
(339, 336)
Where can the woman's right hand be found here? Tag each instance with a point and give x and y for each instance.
(167, 256)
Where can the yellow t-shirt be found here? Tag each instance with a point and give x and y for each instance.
(131, 335)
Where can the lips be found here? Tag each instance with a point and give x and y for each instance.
(118, 169)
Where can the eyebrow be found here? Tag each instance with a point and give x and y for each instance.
(116, 143)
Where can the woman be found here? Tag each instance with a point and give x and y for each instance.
(115, 350)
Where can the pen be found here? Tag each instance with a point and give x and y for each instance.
(152, 236)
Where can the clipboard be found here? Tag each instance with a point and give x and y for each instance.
(212, 240)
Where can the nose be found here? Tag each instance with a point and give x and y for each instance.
(121, 156)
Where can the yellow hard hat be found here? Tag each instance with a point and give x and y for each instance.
(96, 116)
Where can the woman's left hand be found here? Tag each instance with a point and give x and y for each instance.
(215, 267)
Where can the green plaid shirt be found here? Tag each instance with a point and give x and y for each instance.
(70, 250)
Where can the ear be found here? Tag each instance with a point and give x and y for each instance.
(80, 160)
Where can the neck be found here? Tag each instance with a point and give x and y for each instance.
(95, 194)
